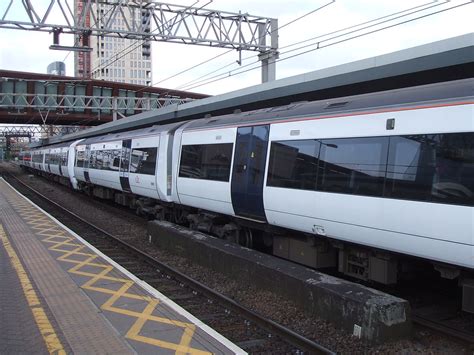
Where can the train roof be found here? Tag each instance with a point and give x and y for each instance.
(153, 130)
(442, 61)
(439, 93)
(459, 90)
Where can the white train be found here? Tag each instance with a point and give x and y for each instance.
(356, 182)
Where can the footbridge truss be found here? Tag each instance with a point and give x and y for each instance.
(30, 98)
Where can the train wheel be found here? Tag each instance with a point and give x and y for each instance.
(246, 237)
(179, 217)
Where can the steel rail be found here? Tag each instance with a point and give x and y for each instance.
(439, 327)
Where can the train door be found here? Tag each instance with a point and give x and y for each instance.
(125, 165)
(87, 155)
(59, 158)
(248, 171)
(47, 158)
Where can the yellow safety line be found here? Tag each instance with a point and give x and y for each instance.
(50, 338)
(58, 240)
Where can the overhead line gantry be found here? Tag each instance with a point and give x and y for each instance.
(156, 22)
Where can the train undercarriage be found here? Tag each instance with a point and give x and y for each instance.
(365, 264)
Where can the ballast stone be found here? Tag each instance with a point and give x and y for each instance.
(345, 304)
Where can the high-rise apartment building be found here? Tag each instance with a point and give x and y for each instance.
(116, 59)
(56, 68)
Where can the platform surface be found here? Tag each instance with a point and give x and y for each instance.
(60, 295)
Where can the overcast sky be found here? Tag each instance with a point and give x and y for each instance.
(28, 51)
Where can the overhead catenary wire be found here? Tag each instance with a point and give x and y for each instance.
(199, 79)
(219, 55)
(193, 67)
(230, 50)
(319, 46)
(421, 7)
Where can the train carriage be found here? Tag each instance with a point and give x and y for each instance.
(132, 162)
(356, 182)
(55, 160)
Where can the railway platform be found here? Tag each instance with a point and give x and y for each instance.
(60, 295)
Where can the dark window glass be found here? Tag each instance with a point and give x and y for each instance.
(294, 164)
(353, 165)
(411, 168)
(80, 158)
(114, 163)
(37, 158)
(105, 159)
(143, 161)
(438, 168)
(93, 159)
(99, 159)
(53, 159)
(125, 164)
(206, 161)
(87, 155)
(64, 156)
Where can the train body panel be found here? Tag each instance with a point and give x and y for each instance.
(203, 178)
(390, 170)
(143, 168)
(100, 164)
(71, 161)
(421, 228)
(80, 151)
(64, 162)
(164, 167)
(42, 165)
(56, 160)
(438, 232)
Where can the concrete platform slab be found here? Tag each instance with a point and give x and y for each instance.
(92, 304)
(378, 316)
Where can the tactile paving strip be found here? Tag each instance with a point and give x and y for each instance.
(142, 318)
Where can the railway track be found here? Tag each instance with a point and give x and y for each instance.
(451, 325)
(448, 323)
(249, 330)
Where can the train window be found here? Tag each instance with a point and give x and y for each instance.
(411, 167)
(105, 159)
(454, 178)
(80, 158)
(294, 164)
(64, 156)
(37, 158)
(353, 165)
(143, 161)
(206, 161)
(51, 158)
(93, 160)
(437, 168)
